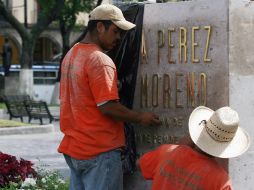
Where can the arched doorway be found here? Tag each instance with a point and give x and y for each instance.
(15, 49)
(45, 50)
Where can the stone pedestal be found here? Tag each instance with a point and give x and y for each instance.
(195, 53)
(241, 88)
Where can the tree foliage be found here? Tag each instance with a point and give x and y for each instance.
(68, 18)
(49, 11)
(73, 7)
(69, 15)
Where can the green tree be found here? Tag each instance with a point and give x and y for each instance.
(68, 18)
(67, 21)
(49, 11)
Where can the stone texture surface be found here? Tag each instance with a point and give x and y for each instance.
(185, 16)
(241, 69)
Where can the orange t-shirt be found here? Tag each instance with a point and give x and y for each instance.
(88, 77)
(178, 167)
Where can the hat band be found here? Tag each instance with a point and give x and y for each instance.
(218, 133)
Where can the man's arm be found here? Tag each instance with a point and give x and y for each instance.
(119, 112)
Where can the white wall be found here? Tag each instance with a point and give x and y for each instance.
(18, 10)
(43, 92)
(241, 66)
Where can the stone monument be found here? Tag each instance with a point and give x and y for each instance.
(241, 88)
(188, 58)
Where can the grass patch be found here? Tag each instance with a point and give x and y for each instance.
(9, 123)
(2, 106)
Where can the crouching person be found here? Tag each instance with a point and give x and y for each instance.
(214, 134)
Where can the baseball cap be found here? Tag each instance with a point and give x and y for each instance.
(113, 13)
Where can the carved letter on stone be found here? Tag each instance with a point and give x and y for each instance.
(183, 44)
(170, 46)
(194, 44)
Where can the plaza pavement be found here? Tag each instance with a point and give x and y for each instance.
(40, 148)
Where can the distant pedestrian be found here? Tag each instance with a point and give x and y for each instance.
(7, 56)
(181, 167)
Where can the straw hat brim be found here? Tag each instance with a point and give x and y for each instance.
(239, 144)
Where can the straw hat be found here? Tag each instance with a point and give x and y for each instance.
(113, 13)
(217, 132)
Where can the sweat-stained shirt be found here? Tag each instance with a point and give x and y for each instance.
(88, 77)
(179, 167)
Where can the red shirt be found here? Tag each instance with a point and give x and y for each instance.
(88, 77)
(178, 167)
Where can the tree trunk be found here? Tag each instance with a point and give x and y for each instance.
(66, 42)
(26, 71)
(29, 37)
(27, 54)
(26, 85)
(66, 46)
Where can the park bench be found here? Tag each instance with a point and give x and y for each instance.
(15, 106)
(39, 110)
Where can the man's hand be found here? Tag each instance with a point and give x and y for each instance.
(149, 119)
(115, 110)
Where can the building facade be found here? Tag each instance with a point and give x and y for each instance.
(50, 42)
(47, 50)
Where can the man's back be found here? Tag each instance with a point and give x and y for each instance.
(179, 167)
(87, 79)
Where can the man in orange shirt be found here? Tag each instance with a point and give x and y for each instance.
(91, 117)
(214, 134)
